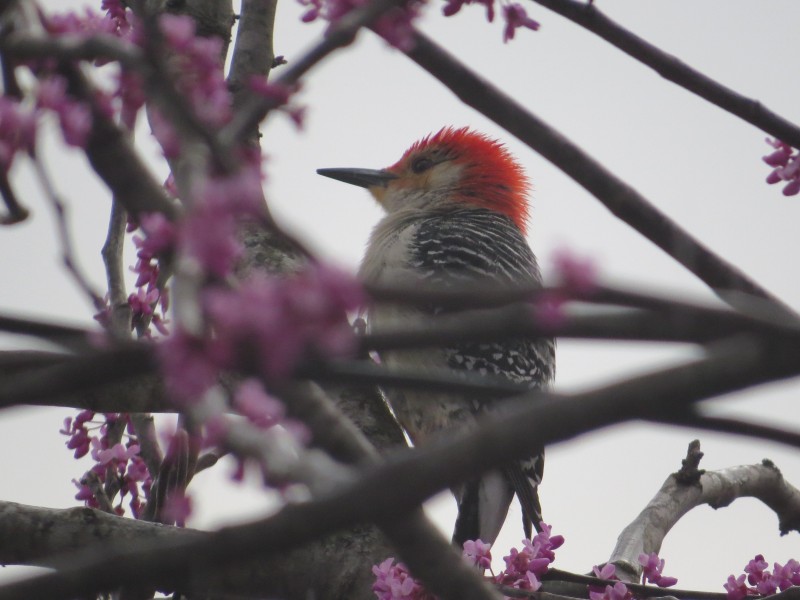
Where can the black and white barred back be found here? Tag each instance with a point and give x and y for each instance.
(469, 246)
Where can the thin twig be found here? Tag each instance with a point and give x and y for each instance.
(622, 200)
(695, 419)
(587, 15)
(65, 238)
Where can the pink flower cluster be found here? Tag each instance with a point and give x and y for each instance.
(525, 568)
(74, 117)
(17, 130)
(198, 65)
(652, 568)
(268, 325)
(118, 461)
(785, 161)
(395, 26)
(394, 582)
(575, 275)
(280, 95)
(618, 591)
(759, 580)
(160, 238)
(514, 15)
(523, 571)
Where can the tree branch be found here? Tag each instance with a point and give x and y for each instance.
(718, 489)
(588, 16)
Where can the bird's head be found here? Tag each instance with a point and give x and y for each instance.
(451, 168)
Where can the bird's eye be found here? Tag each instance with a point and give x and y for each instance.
(421, 165)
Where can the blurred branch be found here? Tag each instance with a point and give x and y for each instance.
(410, 477)
(588, 16)
(28, 46)
(689, 488)
(75, 374)
(68, 256)
(622, 200)
(696, 420)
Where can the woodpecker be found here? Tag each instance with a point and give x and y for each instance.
(456, 213)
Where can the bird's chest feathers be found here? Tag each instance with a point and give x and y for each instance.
(387, 258)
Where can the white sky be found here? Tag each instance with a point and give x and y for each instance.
(367, 104)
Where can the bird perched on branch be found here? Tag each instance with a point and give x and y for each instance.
(457, 212)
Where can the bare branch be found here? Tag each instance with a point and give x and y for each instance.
(671, 68)
(715, 488)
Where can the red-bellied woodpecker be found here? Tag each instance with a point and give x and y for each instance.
(457, 210)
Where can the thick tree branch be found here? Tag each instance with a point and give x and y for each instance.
(679, 494)
(253, 53)
(587, 15)
(622, 200)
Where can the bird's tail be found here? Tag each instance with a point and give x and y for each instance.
(525, 478)
(482, 507)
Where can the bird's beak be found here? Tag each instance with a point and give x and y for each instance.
(366, 178)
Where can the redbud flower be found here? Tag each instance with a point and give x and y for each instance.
(516, 17)
(652, 567)
(477, 553)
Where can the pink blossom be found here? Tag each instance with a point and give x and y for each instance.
(90, 22)
(785, 576)
(453, 6)
(17, 130)
(177, 508)
(652, 566)
(608, 571)
(278, 322)
(477, 553)
(619, 591)
(118, 452)
(395, 26)
(516, 17)
(394, 582)
(208, 236)
(160, 235)
(786, 163)
(736, 588)
(200, 75)
(165, 134)
(130, 92)
(252, 401)
(536, 556)
(178, 30)
(74, 117)
(575, 273)
(188, 369)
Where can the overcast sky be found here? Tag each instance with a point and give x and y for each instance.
(368, 103)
